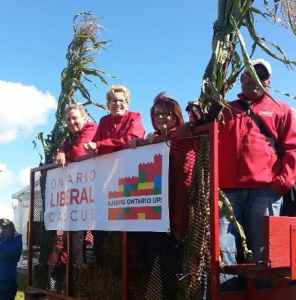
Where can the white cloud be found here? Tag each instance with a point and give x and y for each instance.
(6, 176)
(23, 178)
(6, 211)
(22, 109)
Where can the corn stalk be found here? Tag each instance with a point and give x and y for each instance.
(81, 68)
(226, 63)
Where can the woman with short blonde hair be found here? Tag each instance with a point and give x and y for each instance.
(119, 127)
(118, 89)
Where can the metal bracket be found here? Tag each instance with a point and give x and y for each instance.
(293, 251)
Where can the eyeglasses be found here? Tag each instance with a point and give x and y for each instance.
(262, 77)
(164, 114)
(115, 101)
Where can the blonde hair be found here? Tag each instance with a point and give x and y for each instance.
(118, 89)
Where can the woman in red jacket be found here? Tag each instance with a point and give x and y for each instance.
(81, 131)
(117, 128)
(113, 133)
(166, 117)
(158, 248)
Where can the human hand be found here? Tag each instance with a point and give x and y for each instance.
(185, 129)
(60, 159)
(133, 143)
(90, 147)
(151, 137)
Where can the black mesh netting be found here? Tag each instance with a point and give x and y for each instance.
(163, 266)
(176, 265)
(49, 248)
(96, 270)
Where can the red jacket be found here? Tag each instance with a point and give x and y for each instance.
(73, 146)
(113, 133)
(246, 160)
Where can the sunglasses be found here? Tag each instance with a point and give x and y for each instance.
(164, 114)
(262, 77)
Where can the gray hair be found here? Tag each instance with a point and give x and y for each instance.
(79, 107)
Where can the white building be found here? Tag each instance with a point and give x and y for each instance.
(21, 213)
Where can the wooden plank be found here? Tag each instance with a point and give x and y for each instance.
(277, 241)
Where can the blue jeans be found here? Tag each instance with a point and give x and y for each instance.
(249, 207)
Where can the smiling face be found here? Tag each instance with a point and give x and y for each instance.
(117, 104)
(75, 120)
(249, 88)
(164, 119)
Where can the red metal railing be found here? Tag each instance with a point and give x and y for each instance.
(210, 130)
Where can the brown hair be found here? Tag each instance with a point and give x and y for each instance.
(166, 102)
(6, 223)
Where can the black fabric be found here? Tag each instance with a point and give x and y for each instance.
(8, 293)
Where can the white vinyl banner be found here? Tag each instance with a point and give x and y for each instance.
(121, 191)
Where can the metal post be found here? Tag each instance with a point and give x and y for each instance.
(293, 252)
(30, 229)
(126, 265)
(214, 215)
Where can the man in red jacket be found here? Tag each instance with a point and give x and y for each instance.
(81, 131)
(117, 128)
(250, 172)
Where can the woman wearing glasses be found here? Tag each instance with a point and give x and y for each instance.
(166, 116)
(117, 128)
(113, 133)
(163, 251)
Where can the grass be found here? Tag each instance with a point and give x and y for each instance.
(22, 285)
